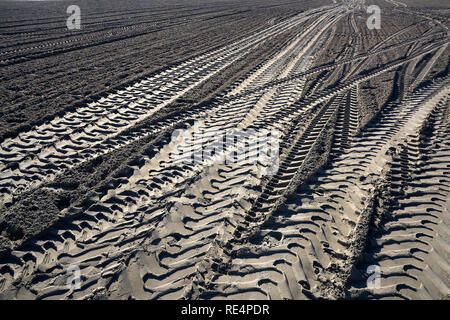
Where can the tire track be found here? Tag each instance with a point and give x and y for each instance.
(302, 250)
(411, 247)
(41, 153)
(167, 229)
(148, 205)
(347, 122)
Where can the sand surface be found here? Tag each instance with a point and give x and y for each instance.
(361, 179)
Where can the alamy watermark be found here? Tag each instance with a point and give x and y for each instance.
(374, 20)
(74, 277)
(74, 20)
(374, 279)
(199, 146)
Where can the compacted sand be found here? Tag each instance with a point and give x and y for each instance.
(113, 187)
